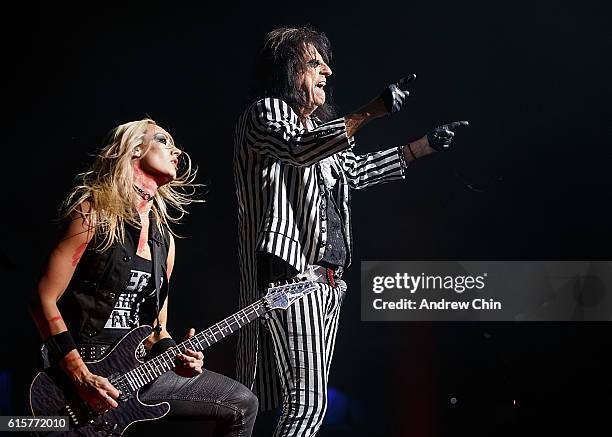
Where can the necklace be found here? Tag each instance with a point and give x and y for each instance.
(146, 196)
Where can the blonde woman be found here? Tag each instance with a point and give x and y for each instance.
(99, 281)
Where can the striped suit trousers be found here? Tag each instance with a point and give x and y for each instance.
(303, 338)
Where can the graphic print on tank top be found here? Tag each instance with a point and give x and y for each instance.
(136, 300)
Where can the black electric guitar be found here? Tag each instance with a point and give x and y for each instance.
(52, 394)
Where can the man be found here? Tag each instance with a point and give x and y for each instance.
(293, 167)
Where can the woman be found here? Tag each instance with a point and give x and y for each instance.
(97, 284)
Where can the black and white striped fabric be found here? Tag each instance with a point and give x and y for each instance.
(304, 337)
(281, 207)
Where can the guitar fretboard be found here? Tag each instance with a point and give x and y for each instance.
(155, 367)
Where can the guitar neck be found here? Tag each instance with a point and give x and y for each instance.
(155, 367)
(225, 327)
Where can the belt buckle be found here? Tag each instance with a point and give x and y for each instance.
(333, 275)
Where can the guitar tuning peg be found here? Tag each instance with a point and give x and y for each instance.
(271, 284)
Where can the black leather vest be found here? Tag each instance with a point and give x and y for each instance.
(99, 277)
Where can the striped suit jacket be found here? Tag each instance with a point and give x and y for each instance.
(281, 202)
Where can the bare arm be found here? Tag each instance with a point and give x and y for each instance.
(163, 313)
(190, 362)
(64, 258)
(55, 279)
(417, 149)
(437, 139)
(363, 115)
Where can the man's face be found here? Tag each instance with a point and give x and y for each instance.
(313, 79)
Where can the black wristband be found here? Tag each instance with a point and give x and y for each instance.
(59, 345)
(161, 346)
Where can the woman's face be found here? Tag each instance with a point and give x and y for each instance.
(159, 156)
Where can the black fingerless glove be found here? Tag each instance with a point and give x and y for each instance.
(441, 137)
(394, 97)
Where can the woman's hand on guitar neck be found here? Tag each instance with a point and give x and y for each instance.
(190, 362)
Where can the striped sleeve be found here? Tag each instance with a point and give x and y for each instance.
(373, 168)
(273, 129)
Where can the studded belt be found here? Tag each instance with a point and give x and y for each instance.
(316, 273)
(92, 352)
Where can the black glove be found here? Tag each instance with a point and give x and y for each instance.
(441, 137)
(394, 97)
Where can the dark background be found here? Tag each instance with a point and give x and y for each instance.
(529, 76)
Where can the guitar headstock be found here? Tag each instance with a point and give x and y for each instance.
(283, 295)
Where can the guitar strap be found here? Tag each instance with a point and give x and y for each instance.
(155, 247)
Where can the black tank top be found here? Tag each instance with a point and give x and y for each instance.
(135, 306)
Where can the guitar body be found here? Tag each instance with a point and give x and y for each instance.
(52, 394)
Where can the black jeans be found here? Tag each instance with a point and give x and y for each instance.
(209, 396)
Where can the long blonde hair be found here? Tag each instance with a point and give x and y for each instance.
(107, 189)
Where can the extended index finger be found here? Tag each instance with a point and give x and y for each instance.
(456, 124)
(406, 80)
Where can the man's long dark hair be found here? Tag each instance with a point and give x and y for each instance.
(281, 62)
